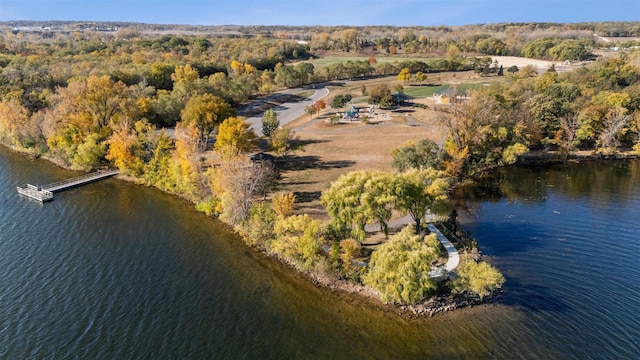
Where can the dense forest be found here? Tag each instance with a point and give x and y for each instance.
(95, 95)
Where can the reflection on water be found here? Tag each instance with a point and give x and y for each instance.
(113, 269)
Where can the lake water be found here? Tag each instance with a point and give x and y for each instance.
(116, 270)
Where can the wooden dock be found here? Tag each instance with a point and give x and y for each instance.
(45, 192)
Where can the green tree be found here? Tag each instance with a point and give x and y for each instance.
(358, 198)
(258, 230)
(421, 77)
(270, 122)
(157, 171)
(310, 109)
(339, 101)
(399, 269)
(477, 277)
(91, 152)
(419, 191)
(299, 239)
(417, 155)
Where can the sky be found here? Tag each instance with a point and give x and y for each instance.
(322, 12)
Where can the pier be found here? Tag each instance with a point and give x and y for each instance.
(45, 192)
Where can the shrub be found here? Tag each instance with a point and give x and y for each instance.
(477, 277)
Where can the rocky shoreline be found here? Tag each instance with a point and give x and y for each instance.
(444, 304)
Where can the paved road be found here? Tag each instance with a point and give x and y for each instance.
(287, 112)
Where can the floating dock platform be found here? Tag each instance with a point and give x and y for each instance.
(45, 192)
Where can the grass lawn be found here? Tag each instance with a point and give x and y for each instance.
(326, 61)
(428, 90)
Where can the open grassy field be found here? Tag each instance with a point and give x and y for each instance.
(326, 61)
(429, 90)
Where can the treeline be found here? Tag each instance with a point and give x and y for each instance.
(485, 39)
(593, 109)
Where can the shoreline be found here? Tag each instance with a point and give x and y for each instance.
(437, 304)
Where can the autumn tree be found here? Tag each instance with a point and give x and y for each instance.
(283, 204)
(13, 121)
(204, 113)
(319, 105)
(404, 75)
(234, 138)
(185, 82)
(129, 146)
(282, 142)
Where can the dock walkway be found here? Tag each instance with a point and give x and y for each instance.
(45, 192)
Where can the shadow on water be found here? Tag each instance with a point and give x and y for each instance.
(532, 298)
(507, 242)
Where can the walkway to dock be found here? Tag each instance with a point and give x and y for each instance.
(45, 192)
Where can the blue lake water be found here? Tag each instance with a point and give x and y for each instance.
(117, 270)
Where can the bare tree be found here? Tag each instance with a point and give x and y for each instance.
(615, 120)
(569, 124)
(239, 181)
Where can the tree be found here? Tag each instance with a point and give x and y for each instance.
(399, 269)
(417, 155)
(122, 150)
(319, 105)
(204, 113)
(282, 141)
(380, 95)
(234, 138)
(477, 277)
(339, 101)
(358, 198)
(270, 122)
(258, 229)
(310, 109)
(419, 191)
(236, 181)
(13, 120)
(421, 77)
(299, 239)
(91, 152)
(157, 171)
(283, 204)
(185, 79)
(404, 75)
(96, 101)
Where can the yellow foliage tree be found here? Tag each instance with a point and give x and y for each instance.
(283, 204)
(203, 113)
(234, 138)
